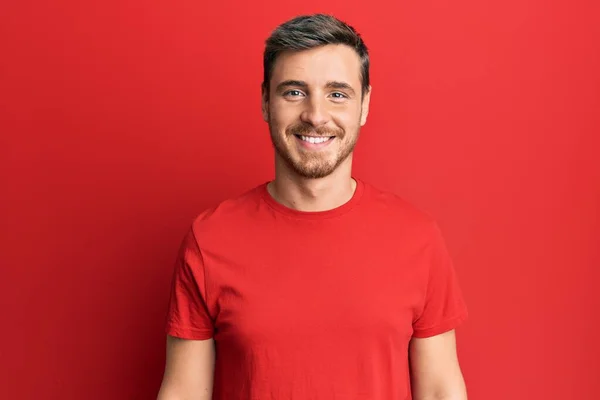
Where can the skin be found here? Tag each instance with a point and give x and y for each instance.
(317, 93)
(189, 370)
(435, 369)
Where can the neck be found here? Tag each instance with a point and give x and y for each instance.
(303, 194)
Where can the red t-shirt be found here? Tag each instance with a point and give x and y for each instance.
(313, 305)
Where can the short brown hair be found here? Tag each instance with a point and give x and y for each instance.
(309, 31)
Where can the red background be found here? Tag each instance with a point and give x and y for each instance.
(120, 121)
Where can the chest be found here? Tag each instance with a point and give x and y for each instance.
(371, 290)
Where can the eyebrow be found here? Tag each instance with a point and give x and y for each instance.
(329, 85)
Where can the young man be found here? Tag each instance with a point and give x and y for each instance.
(315, 285)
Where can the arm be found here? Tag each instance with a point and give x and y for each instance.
(435, 371)
(189, 370)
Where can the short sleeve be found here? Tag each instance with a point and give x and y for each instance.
(444, 307)
(188, 316)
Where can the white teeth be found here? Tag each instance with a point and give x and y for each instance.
(314, 139)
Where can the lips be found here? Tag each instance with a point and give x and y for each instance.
(303, 130)
(314, 143)
(314, 139)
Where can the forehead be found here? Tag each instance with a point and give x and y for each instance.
(318, 66)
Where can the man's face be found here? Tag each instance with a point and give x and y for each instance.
(314, 108)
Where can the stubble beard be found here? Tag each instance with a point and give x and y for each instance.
(312, 165)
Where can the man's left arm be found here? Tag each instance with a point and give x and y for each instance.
(435, 370)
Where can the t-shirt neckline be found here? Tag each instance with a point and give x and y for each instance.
(313, 215)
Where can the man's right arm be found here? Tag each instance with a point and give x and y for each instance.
(189, 370)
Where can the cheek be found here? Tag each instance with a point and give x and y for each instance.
(349, 120)
(281, 111)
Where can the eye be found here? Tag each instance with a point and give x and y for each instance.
(293, 93)
(338, 96)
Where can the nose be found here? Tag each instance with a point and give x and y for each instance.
(315, 113)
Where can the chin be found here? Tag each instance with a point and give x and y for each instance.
(314, 171)
(314, 174)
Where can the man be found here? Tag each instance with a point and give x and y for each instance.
(315, 285)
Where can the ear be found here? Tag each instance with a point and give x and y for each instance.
(366, 100)
(265, 103)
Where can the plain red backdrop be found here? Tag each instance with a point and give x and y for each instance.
(120, 121)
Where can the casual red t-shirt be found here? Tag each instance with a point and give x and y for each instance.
(313, 305)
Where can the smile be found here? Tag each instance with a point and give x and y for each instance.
(312, 139)
(315, 140)
(314, 143)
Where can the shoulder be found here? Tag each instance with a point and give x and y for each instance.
(227, 214)
(396, 210)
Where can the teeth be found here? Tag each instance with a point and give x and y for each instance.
(314, 139)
